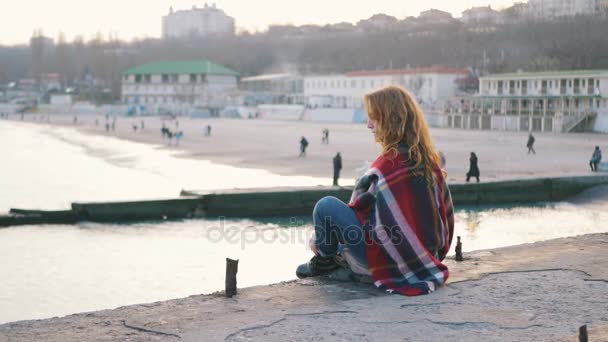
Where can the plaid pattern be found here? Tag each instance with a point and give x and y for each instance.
(409, 225)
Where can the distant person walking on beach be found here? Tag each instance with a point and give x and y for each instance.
(325, 138)
(178, 136)
(530, 144)
(169, 136)
(208, 131)
(337, 168)
(473, 167)
(303, 146)
(399, 224)
(596, 158)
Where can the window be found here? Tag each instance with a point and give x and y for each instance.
(193, 78)
(353, 84)
(165, 78)
(137, 78)
(371, 83)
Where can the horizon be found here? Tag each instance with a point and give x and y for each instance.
(91, 16)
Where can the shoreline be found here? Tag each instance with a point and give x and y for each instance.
(273, 146)
(511, 293)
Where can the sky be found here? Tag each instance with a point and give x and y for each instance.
(131, 19)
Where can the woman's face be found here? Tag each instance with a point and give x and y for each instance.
(371, 124)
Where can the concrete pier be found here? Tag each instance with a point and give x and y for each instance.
(536, 292)
(291, 201)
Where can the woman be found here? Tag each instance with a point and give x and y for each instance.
(473, 167)
(399, 223)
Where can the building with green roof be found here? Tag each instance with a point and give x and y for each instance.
(163, 86)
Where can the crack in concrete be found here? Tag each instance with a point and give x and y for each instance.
(425, 304)
(262, 326)
(144, 329)
(482, 322)
(597, 280)
(320, 313)
(456, 324)
(483, 275)
(255, 327)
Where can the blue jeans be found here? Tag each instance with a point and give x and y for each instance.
(337, 226)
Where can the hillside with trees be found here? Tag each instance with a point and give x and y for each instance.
(574, 43)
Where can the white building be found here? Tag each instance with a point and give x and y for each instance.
(481, 15)
(551, 9)
(558, 101)
(168, 85)
(430, 86)
(603, 7)
(197, 21)
(378, 22)
(282, 88)
(436, 16)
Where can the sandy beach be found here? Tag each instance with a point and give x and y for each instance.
(274, 146)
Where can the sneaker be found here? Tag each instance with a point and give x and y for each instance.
(317, 266)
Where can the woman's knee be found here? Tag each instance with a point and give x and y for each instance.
(325, 205)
